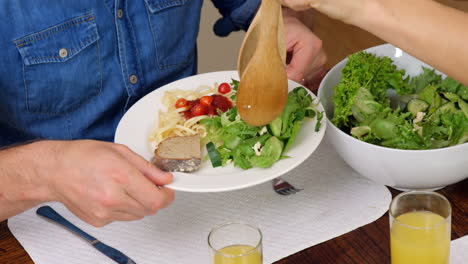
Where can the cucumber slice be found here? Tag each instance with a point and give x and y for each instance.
(416, 105)
(275, 126)
(360, 131)
(271, 152)
(213, 154)
(232, 142)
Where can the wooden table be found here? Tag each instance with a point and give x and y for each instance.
(368, 244)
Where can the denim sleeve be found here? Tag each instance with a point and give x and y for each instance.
(237, 15)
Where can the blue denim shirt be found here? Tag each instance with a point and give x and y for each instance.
(70, 69)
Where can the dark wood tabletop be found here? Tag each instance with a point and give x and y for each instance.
(368, 244)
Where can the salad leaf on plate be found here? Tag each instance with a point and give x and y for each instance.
(248, 146)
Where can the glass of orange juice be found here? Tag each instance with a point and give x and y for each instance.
(235, 243)
(420, 228)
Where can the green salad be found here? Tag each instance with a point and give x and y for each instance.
(377, 103)
(231, 140)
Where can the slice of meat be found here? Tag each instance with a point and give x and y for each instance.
(180, 153)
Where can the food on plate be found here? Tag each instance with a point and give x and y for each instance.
(249, 146)
(377, 103)
(206, 105)
(211, 113)
(183, 111)
(178, 153)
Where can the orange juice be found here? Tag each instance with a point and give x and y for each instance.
(420, 238)
(235, 255)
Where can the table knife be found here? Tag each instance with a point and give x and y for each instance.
(117, 256)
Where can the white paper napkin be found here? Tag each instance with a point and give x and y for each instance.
(335, 200)
(459, 251)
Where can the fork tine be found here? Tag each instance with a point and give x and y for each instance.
(283, 187)
(286, 191)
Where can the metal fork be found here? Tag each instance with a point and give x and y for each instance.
(283, 187)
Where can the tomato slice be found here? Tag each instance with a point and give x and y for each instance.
(224, 88)
(181, 102)
(198, 110)
(206, 100)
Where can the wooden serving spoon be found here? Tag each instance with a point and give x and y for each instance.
(246, 51)
(263, 88)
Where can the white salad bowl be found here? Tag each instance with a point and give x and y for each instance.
(401, 169)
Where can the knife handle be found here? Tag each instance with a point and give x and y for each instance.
(51, 214)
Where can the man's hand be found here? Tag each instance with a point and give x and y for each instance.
(307, 58)
(100, 182)
(104, 182)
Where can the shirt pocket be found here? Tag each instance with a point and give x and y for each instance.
(61, 66)
(174, 24)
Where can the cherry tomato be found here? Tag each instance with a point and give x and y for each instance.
(198, 110)
(181, 102)
(206, 100)
(224, 88)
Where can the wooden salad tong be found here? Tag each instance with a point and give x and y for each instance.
(263, 88)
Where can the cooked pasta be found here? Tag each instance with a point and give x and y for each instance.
(172, 123)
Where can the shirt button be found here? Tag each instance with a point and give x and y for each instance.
(119, 13)
(133, 79)
(63, 53)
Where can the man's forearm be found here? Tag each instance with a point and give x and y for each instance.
(435, 33)
(21, 187)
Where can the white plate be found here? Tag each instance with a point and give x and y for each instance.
(140, 120)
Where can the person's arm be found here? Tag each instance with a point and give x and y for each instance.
(98, 181)
(20, 188)
(434, 33)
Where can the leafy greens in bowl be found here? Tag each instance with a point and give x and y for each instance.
(428, 112)
(395, 120)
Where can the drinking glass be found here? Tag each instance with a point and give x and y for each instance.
(420, 228)
(235, 243)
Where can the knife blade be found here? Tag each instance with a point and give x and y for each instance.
(119, 257)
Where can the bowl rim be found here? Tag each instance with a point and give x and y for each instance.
(328, 116)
